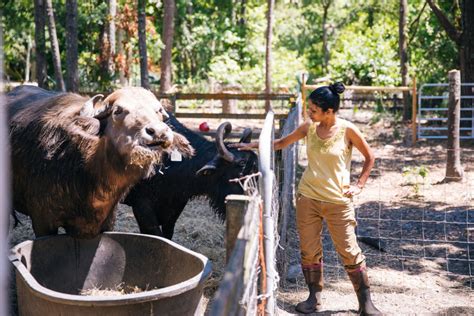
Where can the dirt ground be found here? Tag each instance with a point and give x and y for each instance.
(407, 215)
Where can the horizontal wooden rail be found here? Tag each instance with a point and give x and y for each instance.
(227, 96)
(248, 116)
(214, 96)
(367, 88)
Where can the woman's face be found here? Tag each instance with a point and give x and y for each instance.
(315, 113)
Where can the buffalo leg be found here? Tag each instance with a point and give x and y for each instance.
(146, 218)
(168, 227)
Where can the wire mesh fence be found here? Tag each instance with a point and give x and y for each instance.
(410, 222)
(251, 279)
(416, 230)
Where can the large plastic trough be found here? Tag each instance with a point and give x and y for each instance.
(52, 271)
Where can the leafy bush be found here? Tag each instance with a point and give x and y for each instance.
(367, 59)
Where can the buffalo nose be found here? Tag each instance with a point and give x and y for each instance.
(150, 131)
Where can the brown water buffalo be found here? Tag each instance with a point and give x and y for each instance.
(73, 158)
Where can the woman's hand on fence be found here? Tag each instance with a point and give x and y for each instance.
(352, 190)
(243, 146)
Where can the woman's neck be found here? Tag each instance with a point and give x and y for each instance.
(328, 122)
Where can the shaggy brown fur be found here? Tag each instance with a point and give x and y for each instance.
(67, 169)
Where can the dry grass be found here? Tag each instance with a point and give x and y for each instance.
(119, 289)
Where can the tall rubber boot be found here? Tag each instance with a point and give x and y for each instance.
(313, 275)
(360, 281)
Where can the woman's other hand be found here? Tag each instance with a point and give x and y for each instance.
(352, 190)
(243, 146)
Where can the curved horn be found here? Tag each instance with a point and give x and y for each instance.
(88, 108)
(103, 112)
(222, 132)
(246, 136)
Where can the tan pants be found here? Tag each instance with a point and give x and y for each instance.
(341, 223)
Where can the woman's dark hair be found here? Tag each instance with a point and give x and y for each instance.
(327, 97)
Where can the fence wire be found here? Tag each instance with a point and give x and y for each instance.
(250, 282)
(420, 232)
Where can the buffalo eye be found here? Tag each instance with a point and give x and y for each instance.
(118, 110)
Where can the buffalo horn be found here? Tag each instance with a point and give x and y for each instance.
(88, 108)
(246, 136)
(222, 132)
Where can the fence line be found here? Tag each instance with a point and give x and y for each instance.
(239, 292)
(287, 167)
(266, 167)
(366, 89)
(432, 112)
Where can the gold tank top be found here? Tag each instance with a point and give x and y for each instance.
(329, 165)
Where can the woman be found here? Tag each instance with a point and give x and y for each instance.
(325, 193)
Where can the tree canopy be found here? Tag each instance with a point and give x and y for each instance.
(224, 41)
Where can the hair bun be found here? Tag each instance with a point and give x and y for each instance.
(337, 87)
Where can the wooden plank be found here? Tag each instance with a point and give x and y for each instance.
(414, 111)
(212, 134)
(244, 116)
(226, 300)
(228, 96)
(368, 88)
(236, 206)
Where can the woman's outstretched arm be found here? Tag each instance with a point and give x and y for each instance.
(279, 143)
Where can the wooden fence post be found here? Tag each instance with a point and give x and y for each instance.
(454, 170)
(303, 94)
(414, 111)
(236, 206)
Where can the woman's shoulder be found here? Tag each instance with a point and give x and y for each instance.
(348, 124)
(307, 125)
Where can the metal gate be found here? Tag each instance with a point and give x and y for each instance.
(432, 122)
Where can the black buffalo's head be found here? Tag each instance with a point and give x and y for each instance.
(229, 163)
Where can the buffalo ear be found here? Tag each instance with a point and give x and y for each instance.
(246, 136)
(209, 168)
(206, 170)
(89, 107)
(85, 127)
(181, 144)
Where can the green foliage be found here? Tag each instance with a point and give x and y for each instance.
(224, 41)
(416, 177)
(18, 28)
(432, 53)
(369, 59)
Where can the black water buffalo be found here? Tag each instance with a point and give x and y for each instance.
(74, 158)
(158, 201)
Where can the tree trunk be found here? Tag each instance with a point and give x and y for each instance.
(403, 53)
(168, 35)
(326, 5)
(142, 44)
(72, 77)
(40, 45)
(27, 63)
(107, 42)
(454, 171)
(467, 42)
(112, 30)
(54, 46)
(121, 52)
(242, 29)
(464, 39)
(268, 53)
(467, 60)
